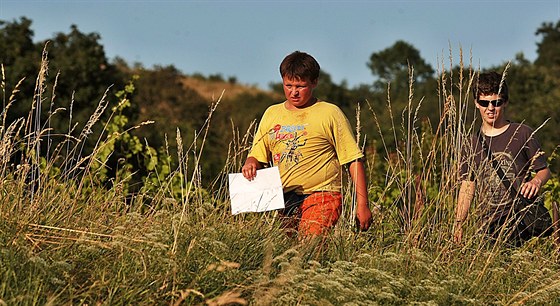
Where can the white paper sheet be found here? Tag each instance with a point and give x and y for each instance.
(264, 193)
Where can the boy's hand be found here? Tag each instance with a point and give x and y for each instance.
(531, 188)
(249, 170)
(457, 233)
(363, 214)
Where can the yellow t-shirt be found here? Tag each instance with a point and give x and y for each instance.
(308, 145)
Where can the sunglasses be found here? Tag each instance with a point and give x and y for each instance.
(495, 103)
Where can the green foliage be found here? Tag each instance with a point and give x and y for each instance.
(534, 90)
(551, 189)
(119, 137)
(136, 225)
(549, 48)
(21, 58)
(67, 97)
(124, 160)
(161, 97)
(392, 65)
(153, 234)
(18, 51)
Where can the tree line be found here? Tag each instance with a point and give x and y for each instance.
(80, 74)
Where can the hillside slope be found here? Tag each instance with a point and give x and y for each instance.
(212, 90)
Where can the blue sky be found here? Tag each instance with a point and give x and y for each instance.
(248, 39)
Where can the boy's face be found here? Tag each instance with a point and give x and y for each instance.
(492, 109)
(298, 92)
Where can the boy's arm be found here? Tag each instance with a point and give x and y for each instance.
(363, 213)
(532, 187)
(466, 194)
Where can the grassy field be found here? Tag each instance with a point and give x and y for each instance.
(65, 240)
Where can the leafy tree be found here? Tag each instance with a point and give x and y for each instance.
(392, 65)
(17, 40)
(535, 88)
(549, 48)
(534, 95)
(543, 90)
(20, 58)
(329, 91)
(85, 73)
(79, 74)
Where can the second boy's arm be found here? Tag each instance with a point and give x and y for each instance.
(363, 213)
(466, 194)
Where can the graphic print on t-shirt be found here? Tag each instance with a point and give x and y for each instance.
(290, 136)
(499, 198)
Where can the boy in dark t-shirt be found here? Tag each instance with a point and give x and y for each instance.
(514, 150)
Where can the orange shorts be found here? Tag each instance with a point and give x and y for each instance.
(318, 213)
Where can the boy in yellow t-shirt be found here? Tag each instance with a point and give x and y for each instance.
(309, 141)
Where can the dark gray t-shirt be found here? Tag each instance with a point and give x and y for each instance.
(517, 152)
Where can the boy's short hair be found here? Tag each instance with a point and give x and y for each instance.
(489, 83)
(300, 66)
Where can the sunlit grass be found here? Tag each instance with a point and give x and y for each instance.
(68, 240)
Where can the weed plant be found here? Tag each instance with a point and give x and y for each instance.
(69, 237)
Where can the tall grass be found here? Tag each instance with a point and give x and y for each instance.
(66, 240)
